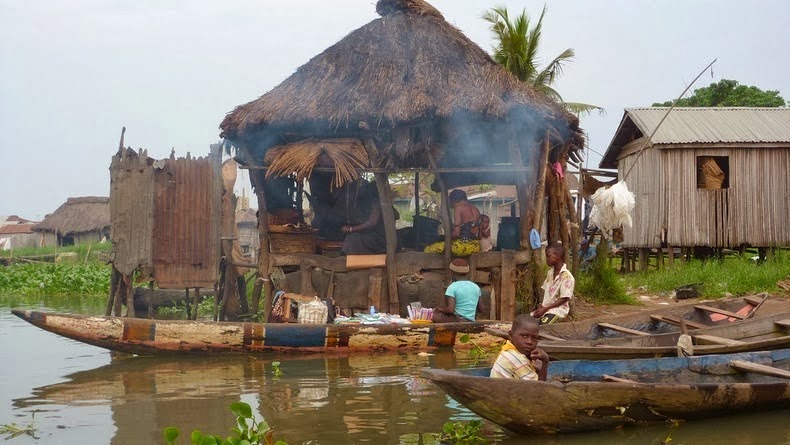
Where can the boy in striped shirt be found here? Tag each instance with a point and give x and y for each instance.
(520, 357)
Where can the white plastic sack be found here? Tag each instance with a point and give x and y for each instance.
(313, 312)
(612, 207)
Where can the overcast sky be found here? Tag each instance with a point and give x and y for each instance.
(72, 73)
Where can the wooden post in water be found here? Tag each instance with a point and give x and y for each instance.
(257, 180)
(444, 215)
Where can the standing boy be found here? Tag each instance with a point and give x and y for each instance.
(520, 357)
(557, 288)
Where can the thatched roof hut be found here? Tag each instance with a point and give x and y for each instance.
(405, 92)
(86, 218)
(407, 69)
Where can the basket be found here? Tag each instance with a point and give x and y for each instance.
(292, 242)
(281, 217)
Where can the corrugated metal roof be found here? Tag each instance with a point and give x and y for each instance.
(714, 124)
(16, 228)
(701, 125)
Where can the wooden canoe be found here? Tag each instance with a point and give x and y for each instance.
(642, 391)
(756, 334)
(667, 318)
(150, 337)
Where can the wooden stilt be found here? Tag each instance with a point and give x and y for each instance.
(113, 290)
(215, 316)
(188, 303)
(151, 300)
(670, 257)
(127, 284)
(196, 303)
(264, 252)
(446, 219)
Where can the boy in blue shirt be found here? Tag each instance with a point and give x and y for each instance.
(461, 299)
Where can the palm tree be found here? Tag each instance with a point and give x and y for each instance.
(517, 50)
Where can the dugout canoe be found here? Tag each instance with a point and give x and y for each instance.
(665, 319)
(756, 334)
(151, 337)
(593, 395)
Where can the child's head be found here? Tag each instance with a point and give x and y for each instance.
(485, 221)
(524, 333)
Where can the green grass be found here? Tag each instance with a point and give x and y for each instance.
(732, 275)
(602, 284)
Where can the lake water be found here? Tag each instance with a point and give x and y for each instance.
(76, 394)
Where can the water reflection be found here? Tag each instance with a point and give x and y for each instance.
(331, 399)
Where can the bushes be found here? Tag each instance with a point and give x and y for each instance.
(39, 279)
(602, 284)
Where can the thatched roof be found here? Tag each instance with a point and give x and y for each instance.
(407, 68)
(77, 215)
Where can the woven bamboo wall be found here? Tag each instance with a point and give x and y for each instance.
(754, 210)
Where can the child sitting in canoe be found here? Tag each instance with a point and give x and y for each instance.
(520, 357)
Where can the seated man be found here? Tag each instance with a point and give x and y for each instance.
(587, 253)
(461, 299)
(520, 357)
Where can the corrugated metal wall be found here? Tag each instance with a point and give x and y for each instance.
(186, 236)
(754, 210)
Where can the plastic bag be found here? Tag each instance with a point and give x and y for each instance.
(313, 312)
(612, 207)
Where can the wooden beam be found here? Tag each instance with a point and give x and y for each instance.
(622, 329)
(783, 323)
(715, 310)
(744, 366)
(446, 219)
(676, 322)
(550, 337)
(611, 378)
(712, 339)
(508, 286)
(264, 261)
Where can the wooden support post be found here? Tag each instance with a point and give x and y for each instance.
(374, 288)
(264, 253)
(151, 300)
(196, 303)
(390, 231)
(659, 258)
(215, 316)
(643, 258)
(575, 225)
(444, 215)
(113, 290)
(496, 302)
(257, 288)
(626, 260)
(129, 294)
(243, 302)
(670, 257)
(508, 286)
(187, 303)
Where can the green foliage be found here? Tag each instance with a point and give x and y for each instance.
(246, 432)
(462, 433)
(85, 252)
(60, 279)
(729, 93)
(205, 308)
(602, 284)
(276, 369)
(12, 430)
(734, 275)
(517, 44)
(478, 352)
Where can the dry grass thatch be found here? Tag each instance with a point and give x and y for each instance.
(78, 215)
(408, 66)
(345, 155)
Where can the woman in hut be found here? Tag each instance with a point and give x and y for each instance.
(364, 226)
(465, 232)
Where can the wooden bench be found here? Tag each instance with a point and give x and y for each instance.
(718, 340)
(622, 329)
(671, 320)
(550, 337)
(705, 308)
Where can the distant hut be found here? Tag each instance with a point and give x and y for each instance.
(17, 233)
(247, 226)
(408, 93)
(713, 177)
(78, 221)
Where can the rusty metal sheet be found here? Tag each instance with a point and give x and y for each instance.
(186, 235)
(131, 210)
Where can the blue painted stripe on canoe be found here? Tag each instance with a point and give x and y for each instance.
(294, 335)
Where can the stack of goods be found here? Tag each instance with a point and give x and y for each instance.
(419, 314)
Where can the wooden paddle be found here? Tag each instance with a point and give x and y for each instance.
(744, 366)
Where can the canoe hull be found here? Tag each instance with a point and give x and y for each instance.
(530, 407)
(150, 337)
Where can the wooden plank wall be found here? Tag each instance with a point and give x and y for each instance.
(131, 210)
(644, 180)
(186, 249)
(753, 210)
